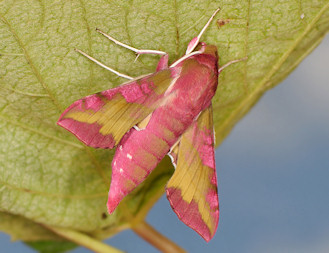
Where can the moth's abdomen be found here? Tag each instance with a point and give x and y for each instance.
(139, 152)
(137, 155)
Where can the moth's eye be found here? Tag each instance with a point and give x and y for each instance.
(200, 46)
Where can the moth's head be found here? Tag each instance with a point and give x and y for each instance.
(207, 49)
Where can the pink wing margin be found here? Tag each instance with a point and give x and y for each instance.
(192, 190)
(101, 120)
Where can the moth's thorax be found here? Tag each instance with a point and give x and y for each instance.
(197, 79)
(207, 56)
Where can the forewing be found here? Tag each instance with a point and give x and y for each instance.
(192, 190)
(101, 120)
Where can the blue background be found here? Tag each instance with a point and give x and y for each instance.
(273, 172)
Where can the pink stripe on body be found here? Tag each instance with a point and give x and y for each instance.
(139, 152)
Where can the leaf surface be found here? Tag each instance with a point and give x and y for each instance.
(49, 177)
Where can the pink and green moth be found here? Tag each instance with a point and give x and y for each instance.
(168, 112)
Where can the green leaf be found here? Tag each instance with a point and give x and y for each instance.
(49, 178)
(24, 229)
(51, 246)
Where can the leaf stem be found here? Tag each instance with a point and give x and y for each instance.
(84, 240)
(158, 240)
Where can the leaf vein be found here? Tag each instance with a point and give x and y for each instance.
(52, 195)
(252, 97)
(91, 64)
(177, 30)
(246, 47)
(30, 62)
(24, 126)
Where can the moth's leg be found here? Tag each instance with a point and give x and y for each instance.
(195, 41)
(137, 51)
(102, 65)
(231, 62)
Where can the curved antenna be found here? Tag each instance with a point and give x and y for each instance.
(195, 41)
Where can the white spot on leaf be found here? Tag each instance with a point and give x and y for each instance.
(129, 156)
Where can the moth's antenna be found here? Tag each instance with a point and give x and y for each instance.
(137, 51)
(195, 41)
(208, 23)
(103, 65)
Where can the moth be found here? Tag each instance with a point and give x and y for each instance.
(168, 112)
